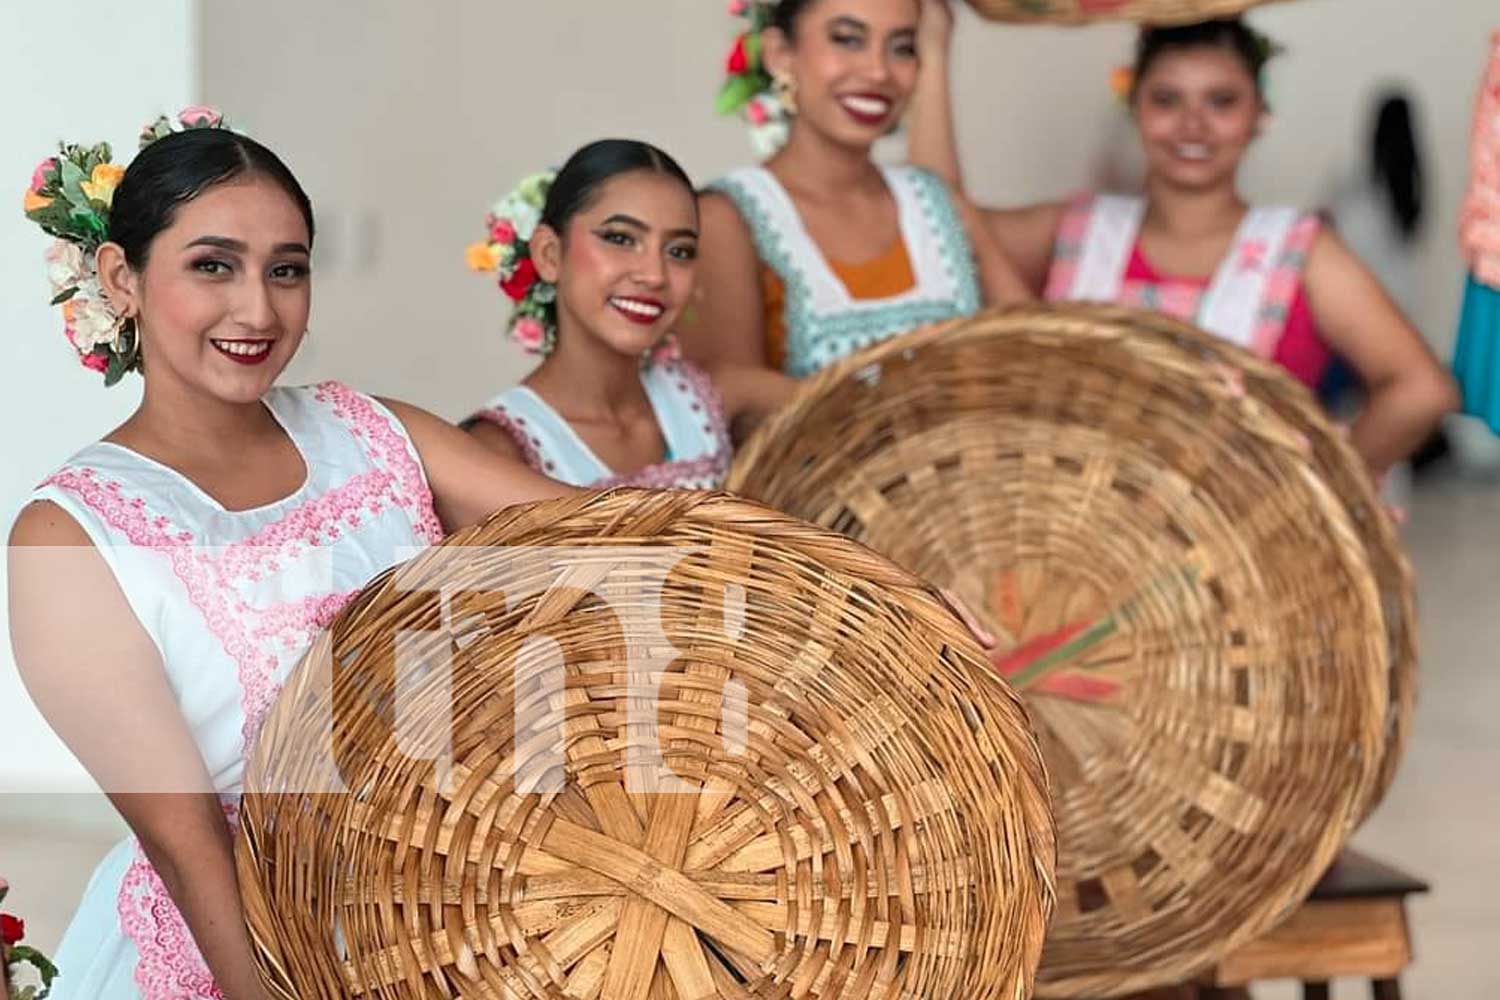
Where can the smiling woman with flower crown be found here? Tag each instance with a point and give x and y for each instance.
(821, 251)
(165, 579)
(600, 260)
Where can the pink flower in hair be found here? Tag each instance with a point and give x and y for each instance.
(529, 333)
(96, 362)
(737, 8)
(199, 116)
(757, 113)
(39, 175)
(502, 231)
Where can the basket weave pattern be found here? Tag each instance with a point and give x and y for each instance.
(1086, 11)
(1334, 458)
(1184, 602)
(875, 825)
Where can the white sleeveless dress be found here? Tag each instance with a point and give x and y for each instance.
(688, 411)
(823, 321)
(232, 599)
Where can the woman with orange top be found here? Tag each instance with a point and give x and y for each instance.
(821, 251)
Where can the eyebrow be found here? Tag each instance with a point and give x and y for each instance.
(845, 21)
(629, 220)
(240, 246)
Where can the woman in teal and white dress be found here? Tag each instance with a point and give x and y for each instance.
(821, 251)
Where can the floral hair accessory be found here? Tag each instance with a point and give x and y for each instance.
(14, 954)
(749, 89)
(1122, 83)
(506, 251)
(70, 196)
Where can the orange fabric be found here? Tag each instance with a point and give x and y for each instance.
(885, 277)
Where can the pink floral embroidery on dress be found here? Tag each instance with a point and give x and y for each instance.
(390, 448)
(312, 524)
(171, 967)
(1068, 247)
(1253, 255)
(1479, 222)
(1284, 285)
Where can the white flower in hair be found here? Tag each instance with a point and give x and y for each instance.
(90, 319)
(769, 125)
(67, 266)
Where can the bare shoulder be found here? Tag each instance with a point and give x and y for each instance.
(1328, 250)
(495, 438)
(1335, 274)
(721, 217)
(43, 523)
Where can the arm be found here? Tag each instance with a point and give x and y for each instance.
(104, 691)
(469, 480)
(1017, 252)
(1028, 238)
(999, 278)
(726, 322)
(933, 141)
(1408, 392)
(494, 437)
(750, 394)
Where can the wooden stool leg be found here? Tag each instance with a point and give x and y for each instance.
(1314, 991)
(1386, 989)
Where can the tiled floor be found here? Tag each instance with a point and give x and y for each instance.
(1441, 821)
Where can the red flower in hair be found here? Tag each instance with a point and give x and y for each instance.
(739, 57)
(519, 283)
(12, 929)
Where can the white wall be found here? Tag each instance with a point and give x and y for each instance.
(117, 66)
(1035, 111)
(405, 120)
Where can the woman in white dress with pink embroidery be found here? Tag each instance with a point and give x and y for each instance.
(1270, 279)
(601, 260)
(165, 579)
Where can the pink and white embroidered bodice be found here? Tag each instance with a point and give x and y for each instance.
(232, 599)
(1480, 219)
(688, 411)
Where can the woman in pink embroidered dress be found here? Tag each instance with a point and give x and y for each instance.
(1269, 279)
(165, 578)
(612, 403)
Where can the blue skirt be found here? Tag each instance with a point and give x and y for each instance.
(1476, 360)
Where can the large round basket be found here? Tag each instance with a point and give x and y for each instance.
(1334, 458)
(634, 745)
(1181, 598)
(1087, 11)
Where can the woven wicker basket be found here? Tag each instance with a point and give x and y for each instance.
(1182, 599)
(875, 824)
(1087, 11)
(1336, 461)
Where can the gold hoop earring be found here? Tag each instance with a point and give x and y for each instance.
(785, 90)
